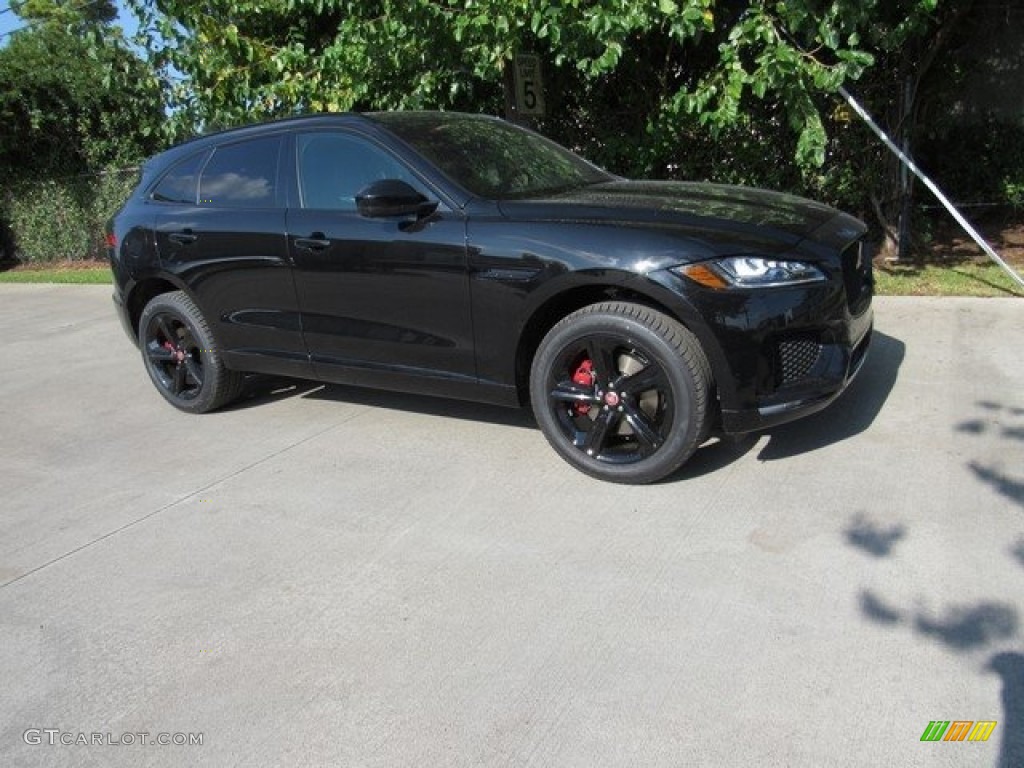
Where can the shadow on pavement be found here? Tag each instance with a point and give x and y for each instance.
(851, 414)
(1017, 552)
(871, 605)
(968, 627)
(426, 404)
(1004, 484)
(1010, 487)
(1010, 668)
(260, 390)
(963, 628)
(873, 538)
(711, 457)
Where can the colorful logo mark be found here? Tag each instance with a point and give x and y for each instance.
(958, 730)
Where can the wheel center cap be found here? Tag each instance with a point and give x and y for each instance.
(611, 399)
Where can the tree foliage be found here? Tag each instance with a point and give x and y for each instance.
(74, 100)
(660, 69)
(70, 13)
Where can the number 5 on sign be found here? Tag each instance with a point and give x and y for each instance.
(529, 86)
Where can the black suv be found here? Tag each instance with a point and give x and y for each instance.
(461, 256)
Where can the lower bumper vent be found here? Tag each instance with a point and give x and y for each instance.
(797, 359)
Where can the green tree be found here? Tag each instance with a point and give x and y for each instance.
(245, 58)
(75, 101)
(731, 90)
(74, 13)
(252, 58)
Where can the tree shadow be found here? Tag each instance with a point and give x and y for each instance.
(872, 538)
(1010, 668)
(964, 629)
(1004, 484)
(872, 606)
(1010, 487)
(969, 627)
(851, 414)
(1018, 552)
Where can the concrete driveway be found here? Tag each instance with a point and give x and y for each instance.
(332, 577)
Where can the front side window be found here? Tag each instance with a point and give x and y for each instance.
(242, 175)
(335, 167)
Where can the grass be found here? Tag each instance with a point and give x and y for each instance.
(79, 272)
(949, 263)
(967, 278)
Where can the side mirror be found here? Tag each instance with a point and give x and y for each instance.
(392, 197)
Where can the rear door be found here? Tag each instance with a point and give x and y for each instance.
(221, 230)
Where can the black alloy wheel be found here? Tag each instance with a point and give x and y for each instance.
(621, 392)
(181, 357)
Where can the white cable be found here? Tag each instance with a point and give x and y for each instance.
(931, 185)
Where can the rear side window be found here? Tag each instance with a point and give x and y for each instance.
(242, 175)
(179, 185)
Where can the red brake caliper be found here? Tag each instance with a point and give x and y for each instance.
(585, 377)
(178, 354)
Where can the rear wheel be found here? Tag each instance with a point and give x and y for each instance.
(621, 392)
(181, 357)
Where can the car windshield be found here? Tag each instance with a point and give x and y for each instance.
(492, 158)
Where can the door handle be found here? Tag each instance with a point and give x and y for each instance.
(315, 242)
(182, 238)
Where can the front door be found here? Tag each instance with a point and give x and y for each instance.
(383, 300)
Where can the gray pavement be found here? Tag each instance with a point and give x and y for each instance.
(324, 576)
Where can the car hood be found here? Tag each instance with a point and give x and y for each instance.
(742, 216)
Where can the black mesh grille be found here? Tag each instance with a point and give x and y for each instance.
(797, 358)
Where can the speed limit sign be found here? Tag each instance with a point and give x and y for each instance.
(529, 87)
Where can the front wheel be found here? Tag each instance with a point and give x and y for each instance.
(181, 357)
(621, 392)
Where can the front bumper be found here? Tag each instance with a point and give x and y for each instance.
(837, 365)
(778, 354)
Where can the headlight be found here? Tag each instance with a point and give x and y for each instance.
(751, 272)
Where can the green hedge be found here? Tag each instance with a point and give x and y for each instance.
(64, 219)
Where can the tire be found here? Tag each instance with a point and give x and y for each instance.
(181, 356)
(621, 392)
